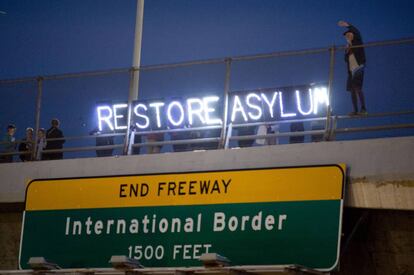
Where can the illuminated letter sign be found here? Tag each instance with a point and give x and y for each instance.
(244, 107)
(209, 109)
(284, 103)
(170, 116)
(104, 115)
(141, 116)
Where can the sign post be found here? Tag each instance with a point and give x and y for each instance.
(269, 216)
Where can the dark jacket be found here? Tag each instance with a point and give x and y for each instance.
(358, 52)
(25, 146)
(54, 132)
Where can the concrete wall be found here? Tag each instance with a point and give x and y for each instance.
(381, 171)
(383, 242)
(10, 227)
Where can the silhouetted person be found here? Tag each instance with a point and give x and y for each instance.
(41, 144)
(8, 143)
(297, 127)
(103, 141)
(180, 136)
(317, 125)
(154, 149)
(27, 146)
(355, 60)
(137, 140)
(266, 130)
(246, 131)
(54, 132)
(205, 134)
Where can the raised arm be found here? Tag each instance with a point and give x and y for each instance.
(342, 23)
(349, 26)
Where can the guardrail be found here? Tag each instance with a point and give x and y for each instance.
(326, 134)
(224, 140)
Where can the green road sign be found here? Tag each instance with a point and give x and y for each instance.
(270, 216)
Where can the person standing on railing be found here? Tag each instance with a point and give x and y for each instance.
(8, 143)
(52, 133)
(26, 146)
(355, 60)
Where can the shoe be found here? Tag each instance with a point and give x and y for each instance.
(353, 114)
(363, 112)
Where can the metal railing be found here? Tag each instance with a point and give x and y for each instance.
(226, 136)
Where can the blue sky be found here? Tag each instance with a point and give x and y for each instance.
(52, 37)
(49, 37)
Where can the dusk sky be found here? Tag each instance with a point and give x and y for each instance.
(50, 37)
(53, 37)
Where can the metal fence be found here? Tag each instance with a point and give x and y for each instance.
(389, 79)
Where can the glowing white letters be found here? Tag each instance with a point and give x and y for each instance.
(170, 117)
(146, 118)
(245, 107)
(237, 107)
(208, 109)
(320, 96)
(282, 114)
(107, 118)
(271, 103)
(253, 106)
(195, 111)
(299, 104)
(157, 106)
(118, 116)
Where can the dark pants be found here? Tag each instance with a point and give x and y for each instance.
(106, 152)
(51, 156)
(354, 86)
(180, 136)
(317, 138)
(297, 127)
(103, 141)
(246, 131)
(355, 94)
(6, 159)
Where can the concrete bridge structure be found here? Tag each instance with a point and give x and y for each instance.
(379, 199)
(380, 171)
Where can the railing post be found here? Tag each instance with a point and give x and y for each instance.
(225, 103)
(136, 64)
(332, 133)
(133, 95)
(37, 115)
(332, 51)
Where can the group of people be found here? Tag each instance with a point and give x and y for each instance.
(29, 148)
(175, 136)
(274, 129)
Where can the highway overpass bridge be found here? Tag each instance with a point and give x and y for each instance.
(380, 172)
(379, 197)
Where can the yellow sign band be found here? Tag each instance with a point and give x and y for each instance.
(199, 188)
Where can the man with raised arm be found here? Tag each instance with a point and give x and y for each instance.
(355, 60)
